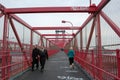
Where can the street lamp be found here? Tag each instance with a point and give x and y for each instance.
(63, 21)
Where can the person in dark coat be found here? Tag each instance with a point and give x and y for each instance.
(43, 57)
(35, 56)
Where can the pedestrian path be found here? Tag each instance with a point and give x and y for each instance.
(56, 68)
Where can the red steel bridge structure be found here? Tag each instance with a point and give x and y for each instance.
(98, 56)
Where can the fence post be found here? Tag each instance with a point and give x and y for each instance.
(9, 64)
(93, 63)
(118, 61)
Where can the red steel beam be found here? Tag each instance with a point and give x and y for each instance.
(58, 38)
(5, 45)
(20, 21)
(99, 8)
(101, 5)
(56, 34)
(2, 8)
(56, 28)
(1, 15)
(23, 22)
(16, 34)
(91, 34)
(90, 9)
(18, 39)
(111, 23)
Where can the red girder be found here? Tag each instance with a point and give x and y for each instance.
(91, 33)
(1, 15)
(2, 8)
(16, 34)
(111, 23)
(56, 34)
(20, 21)
(99, 7)
(56, 28)
(90, 9)
(102, 4)
(58, 38)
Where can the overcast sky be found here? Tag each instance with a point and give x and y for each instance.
(54, 19)
(49, 19)
(36, 3)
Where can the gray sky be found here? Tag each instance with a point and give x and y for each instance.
(50, 19)
(36, 3)
(54, 19)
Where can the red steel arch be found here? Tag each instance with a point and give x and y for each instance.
(95, 12)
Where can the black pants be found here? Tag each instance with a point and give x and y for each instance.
(71, 60)
(35, 61)
(42, 62)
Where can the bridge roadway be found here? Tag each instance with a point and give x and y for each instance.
(56, 68)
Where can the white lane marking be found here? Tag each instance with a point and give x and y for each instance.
(64, 67)
(71, 71)
(58, 61)
(68, 78)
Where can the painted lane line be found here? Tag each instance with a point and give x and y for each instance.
(71, 71)
(68, 78)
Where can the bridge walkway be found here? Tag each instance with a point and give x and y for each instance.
(56, 68)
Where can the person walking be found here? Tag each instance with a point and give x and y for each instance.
(43, 57)
(71, 55)
(35, 54)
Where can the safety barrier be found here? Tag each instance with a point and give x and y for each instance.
(12, 64)
(15, 63)
(108, 69)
